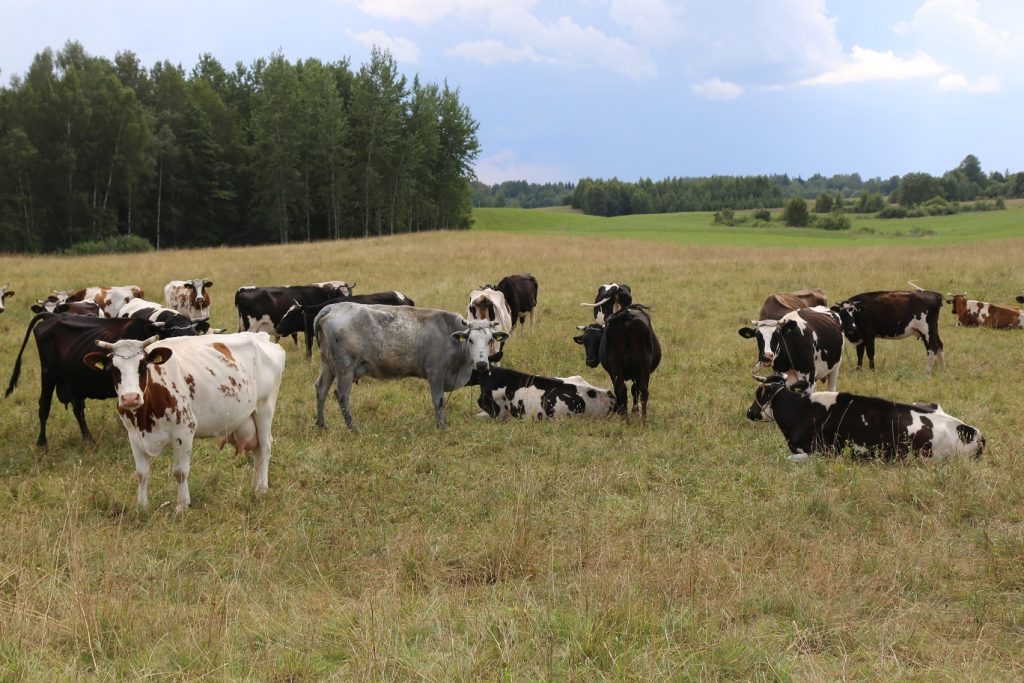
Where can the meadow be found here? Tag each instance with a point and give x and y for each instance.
(686, 548)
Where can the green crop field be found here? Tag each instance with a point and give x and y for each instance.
(683, 548)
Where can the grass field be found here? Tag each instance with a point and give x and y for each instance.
(686, 548)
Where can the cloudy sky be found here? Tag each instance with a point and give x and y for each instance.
(630, 88)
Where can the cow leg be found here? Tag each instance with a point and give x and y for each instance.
(635, 390)
(142, 469)
(621, 398)
(45, 399)
(343, 392)
(860, 355)
(869, 345)
(182, 465)
(437, 399)
(309, 346)
(323, 385)
(78, 408)
(644, 382)
(263, 418)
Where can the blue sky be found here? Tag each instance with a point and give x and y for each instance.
(630, 88)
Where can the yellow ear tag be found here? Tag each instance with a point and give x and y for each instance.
(100, 365)
(157, 359)
(798, 390)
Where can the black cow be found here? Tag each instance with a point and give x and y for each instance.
(260, 309)
(89, 308)
(627, 348)
(299, 318)
(508, 393)
(892, 315)
(521, 296)
(63, 341)
(806, 344)
(832, 421)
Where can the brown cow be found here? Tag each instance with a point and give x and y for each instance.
(778, 305)
(971, 313)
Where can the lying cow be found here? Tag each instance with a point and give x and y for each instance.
(189, 297)
(892, 315)
(174, 324)
(398, 341)
(611, 298)
(781, 303)
(805, 345)
(972, 313)
(299, 318)
(5, 293)
(507, 393)
(171, 391)
(829, 421)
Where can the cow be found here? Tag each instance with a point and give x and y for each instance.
(892, 315)
(62, 342)
(520, 292)
(260, 309)
(611, 298)
(171, 391)
(805, 345)
(340, 286)
(109, 299)
(781, 303)
(626, 346)
(359, 340)
(299, 318)
(490, 304)
(972, 313)
(88, 308)
(5, 293)
(189, 297)
(175, 324)
(508, 393)
(831, 422)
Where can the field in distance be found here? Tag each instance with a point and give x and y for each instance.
(686, 548)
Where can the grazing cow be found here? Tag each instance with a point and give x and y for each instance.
(520, 292)
(831, 421)
(299, 318)
(171, 391)
(611, 298)
(260, 309)
(778, 305)
(189, 297)
(88, 308)
(109, 299)
(62, 342)
(971, 313)
(507, 393)
(892, 315)
(175, 324)
(805, 345)
(490, 304)
(4, 294)
(398, 341)
(627, 348)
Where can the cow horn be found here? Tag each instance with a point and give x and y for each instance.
(757, 366)
(599, 303)
(915, 285)
(154, 338)
(104, 345)
(581, 327)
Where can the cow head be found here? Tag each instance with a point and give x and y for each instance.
(847, 312)
(761, 409)
(199, 286)
(4, 293)
(292, 321)
(128, 360)
(477, 339)
(611, 298)
(481, 306)
(957, 302)
(337, 287)
(51, 302)
(768, 334)
(590, 340)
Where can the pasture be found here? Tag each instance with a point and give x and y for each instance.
(685, 548)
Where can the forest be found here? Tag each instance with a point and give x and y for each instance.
(276, 151)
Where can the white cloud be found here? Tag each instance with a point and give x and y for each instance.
(648, 20)
(717, 89)
(957, 82)
(490, 52)
(505, 165)
(421, 11)
(402, 49)
(870, 65)
(951, 23)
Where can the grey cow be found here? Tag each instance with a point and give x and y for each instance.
(357, 340)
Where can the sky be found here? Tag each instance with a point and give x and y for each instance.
(629, 88)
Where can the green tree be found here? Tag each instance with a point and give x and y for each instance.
(823, 203)
(795, 213)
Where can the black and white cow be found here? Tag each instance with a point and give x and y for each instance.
(299, 318)
(520, 292)
(805, 345)
(831, 422)
(398, 341)
(508, 393)
(611, 298)
(260, 309)
(88, 308)
(5, 293)
(175, 324)
(892, 315)
(189, 297)
(627, 348)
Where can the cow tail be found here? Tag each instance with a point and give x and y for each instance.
(17, 364)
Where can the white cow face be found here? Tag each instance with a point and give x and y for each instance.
(199, 285)
(4, 293)
(127, 361)
(768, 336)
(477, 338)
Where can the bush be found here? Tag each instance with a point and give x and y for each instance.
(117, 244)
(870, 202)
(835, 220)
(763, 215)
(938, 206)
(892, 212)
(824, 203)
(724, 217)
(796, 214)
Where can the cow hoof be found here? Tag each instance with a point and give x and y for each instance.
(179, 510)
(482, 415)
(798, 457)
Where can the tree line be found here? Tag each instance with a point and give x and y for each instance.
(93, 149)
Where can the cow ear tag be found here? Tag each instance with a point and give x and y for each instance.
(797, 390)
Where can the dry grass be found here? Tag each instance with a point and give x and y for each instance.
(687, 548)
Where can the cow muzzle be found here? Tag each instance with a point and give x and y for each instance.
(132, 401)
(482, 365)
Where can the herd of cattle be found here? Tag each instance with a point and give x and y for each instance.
(175, 378)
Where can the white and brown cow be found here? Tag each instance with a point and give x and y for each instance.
(108, 299)
(171, 391)
(4, 294)
(972, 313)
(488, 303)
(189, 297)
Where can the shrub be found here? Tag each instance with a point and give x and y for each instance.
(892, 212)
(763, 215)
(117, 244)
(836, 220)
(724, 217)
(824, 203)
(938, 206)
(796, 214)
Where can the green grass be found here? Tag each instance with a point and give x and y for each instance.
(687, 548)
(697, 228)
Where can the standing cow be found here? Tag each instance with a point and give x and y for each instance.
(627, 348)
(5, 293)
(520, 292)
(398, 341)
(805, 345)
(972, 313)
(260, 309)
(781, 303)
(299, 317)
(189, 297)
(171, 391)
(489, 304)
(892, 315)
